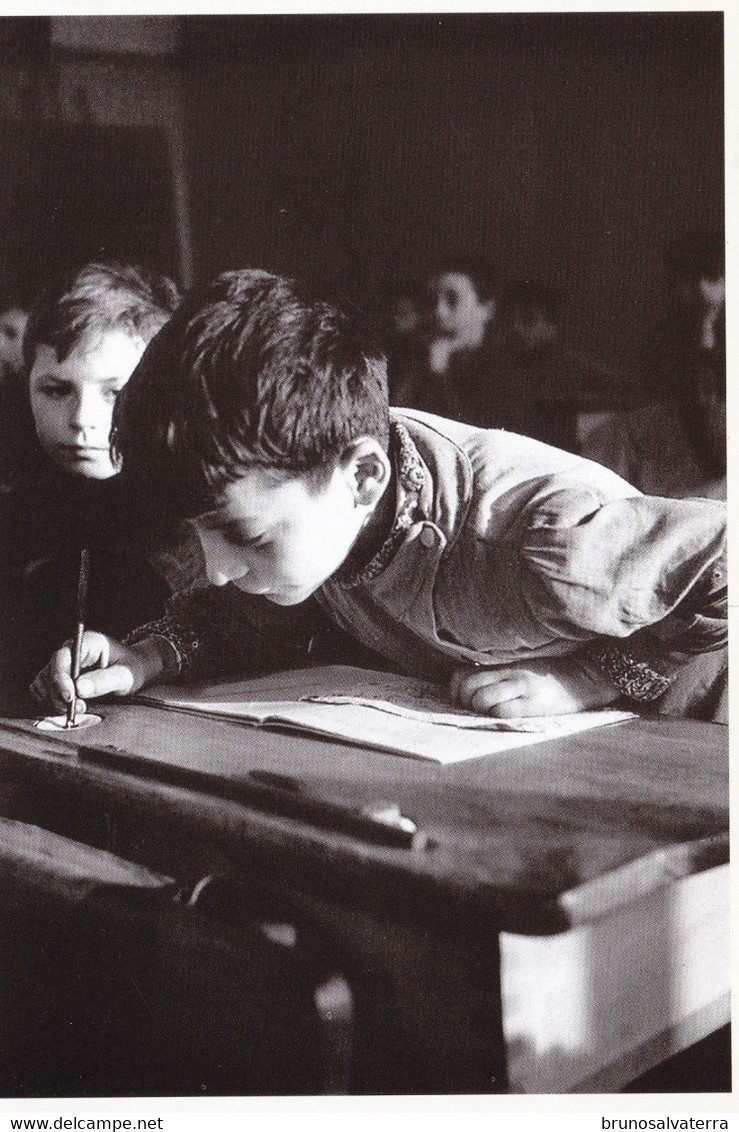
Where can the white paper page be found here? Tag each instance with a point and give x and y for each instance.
(399, 714)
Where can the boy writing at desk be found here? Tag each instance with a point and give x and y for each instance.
(532, 580)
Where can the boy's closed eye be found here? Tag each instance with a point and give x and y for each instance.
(246, 543)
(55, 390)
(234, 534)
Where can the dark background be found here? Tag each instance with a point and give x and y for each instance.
(88, 191)
(567, 148)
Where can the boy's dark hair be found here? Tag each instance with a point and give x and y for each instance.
(96, 299)
(251, 371)
(478, 270)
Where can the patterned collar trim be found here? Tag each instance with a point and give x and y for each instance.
(410, 478)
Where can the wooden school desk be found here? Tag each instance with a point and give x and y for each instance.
(298, 915)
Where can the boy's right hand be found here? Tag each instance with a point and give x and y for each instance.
(109, 668)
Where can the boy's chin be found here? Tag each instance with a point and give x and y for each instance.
(87, 465)
(102, 474)
(292, 596)
(289, 598)
(88, 470)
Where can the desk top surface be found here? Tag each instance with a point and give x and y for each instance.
(534, 839)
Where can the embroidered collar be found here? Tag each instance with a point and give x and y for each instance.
(410, 477)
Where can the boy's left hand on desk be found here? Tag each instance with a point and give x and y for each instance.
(539, 687)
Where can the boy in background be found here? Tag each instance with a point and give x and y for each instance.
(533, 581)
(566, 388)
(82, 343)
(675, 443)
(13, 321)
(14, 312)
(468, 364)
(453, 366)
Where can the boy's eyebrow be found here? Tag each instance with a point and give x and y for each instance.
(69, 382)
(216, 520)
(53, 377)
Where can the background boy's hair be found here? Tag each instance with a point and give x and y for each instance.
(478, 270)
(251, 371)
(96, 299)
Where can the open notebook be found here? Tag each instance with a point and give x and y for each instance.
(399, 714)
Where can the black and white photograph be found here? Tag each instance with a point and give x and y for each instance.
(363, 583)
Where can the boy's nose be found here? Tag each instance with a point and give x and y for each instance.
(221, 561)
(220, 572)
(83, 415)
(218, 577)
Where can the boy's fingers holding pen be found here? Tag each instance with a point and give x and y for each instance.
(54, 684)
(44, 693)
(116, 680)
(95, 650)
(108, 668)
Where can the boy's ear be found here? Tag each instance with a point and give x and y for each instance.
(366, 466)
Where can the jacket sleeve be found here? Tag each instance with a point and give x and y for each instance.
(218, 630)
(644, 576)
(210, 631)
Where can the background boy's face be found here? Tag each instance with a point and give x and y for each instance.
(279, 537)
(531, 328)
(12, 328)
(456, 313)
(72, 401)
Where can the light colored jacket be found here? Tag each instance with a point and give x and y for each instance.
(520, 550)
(513, 550)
